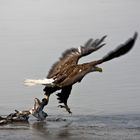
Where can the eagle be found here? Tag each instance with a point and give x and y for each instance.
(67, 71)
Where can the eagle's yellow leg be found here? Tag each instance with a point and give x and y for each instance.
(45, 100)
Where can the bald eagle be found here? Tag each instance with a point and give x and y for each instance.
(66, 72)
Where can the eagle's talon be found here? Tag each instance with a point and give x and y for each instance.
(66, 107)
(69, 112)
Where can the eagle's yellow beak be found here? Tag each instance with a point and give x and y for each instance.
(98, 69)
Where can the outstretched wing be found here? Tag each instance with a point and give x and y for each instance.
(119, 51)
(71, 56)
(91, 46)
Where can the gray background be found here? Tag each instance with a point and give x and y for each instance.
(34, 33)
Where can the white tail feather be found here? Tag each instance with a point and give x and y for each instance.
(33, 82)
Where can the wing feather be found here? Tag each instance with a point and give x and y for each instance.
(119, 51)
(71, 56)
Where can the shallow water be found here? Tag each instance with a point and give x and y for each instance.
(88, 127)
(34, 33)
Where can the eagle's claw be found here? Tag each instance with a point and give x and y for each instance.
(66, 107)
